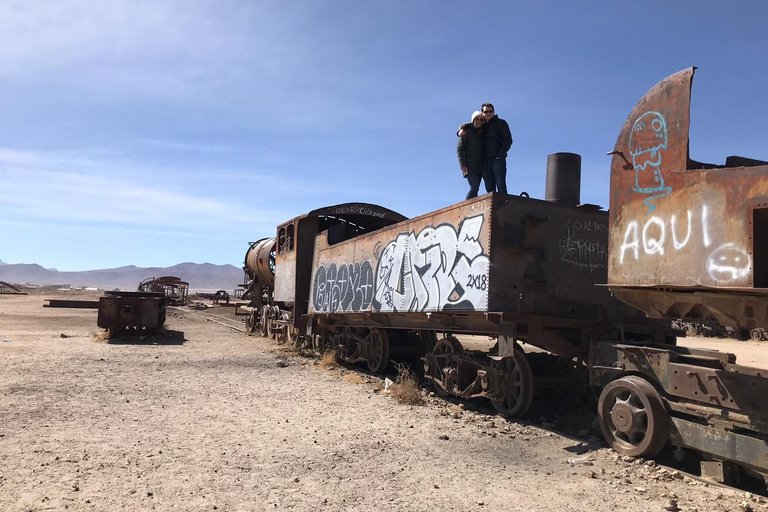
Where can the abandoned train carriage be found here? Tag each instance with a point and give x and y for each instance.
(682, 240)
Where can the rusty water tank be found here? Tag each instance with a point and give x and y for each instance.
(260, 261)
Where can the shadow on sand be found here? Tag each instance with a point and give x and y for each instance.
(162, 337)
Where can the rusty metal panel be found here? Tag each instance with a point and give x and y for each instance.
(705, 376)
(285, 263)
(676, 222)
(736, 309)
(746, 450)
(285, 279)
(131, 310)
(546, 259)
(431, 263)
(733, 390)
(71, 303)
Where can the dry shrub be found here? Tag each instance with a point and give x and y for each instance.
(353, 378)
(101, 336)
(289, 350)
(406, 387)
(329, 359)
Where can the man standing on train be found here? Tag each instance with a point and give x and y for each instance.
(497, 139)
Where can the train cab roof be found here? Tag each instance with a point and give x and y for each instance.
(363, 214)
(342, 221)
(345, 220)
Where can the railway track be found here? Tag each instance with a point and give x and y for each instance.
(227, 322)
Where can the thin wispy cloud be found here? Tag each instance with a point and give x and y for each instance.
(181, 146)
(60, 187)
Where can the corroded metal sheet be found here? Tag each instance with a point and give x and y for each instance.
(674, 221)
(285, 278)
(546, 258)
(431, 263)
(121, 310)
(750, 451)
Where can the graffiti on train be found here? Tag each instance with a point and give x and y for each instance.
(660, 237)
(343, 288)
(580, 249)
(439, 268)
(647, 143)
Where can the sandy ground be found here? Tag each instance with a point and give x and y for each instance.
(211, 419)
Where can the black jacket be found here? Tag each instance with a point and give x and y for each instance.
(470, 150)
(497, 138)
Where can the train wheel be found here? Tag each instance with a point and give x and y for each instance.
(273, 314)
(264, 324)
(283, 334)
(377, 355)
(442, 372)
(757, 334)
(632, 417)
(250, 322)
(517, 385)
(347, 346)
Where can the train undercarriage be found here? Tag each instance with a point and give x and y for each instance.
(648, 395)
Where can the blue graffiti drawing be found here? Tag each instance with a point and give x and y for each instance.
(647, 142)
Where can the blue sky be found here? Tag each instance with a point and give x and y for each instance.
(156, 132)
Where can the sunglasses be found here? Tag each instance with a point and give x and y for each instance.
(487, 111)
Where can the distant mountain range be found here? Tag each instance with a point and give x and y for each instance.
(200, 276)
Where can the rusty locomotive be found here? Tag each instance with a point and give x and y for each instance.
(593, 289)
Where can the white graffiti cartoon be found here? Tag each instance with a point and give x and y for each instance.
(728, 263)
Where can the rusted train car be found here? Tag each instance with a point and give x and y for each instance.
(682, 240)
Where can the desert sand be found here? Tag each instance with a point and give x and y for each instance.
(204, 418)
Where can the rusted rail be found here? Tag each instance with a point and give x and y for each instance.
(75, 304)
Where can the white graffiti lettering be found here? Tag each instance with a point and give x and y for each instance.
(653, 236)
(434, 270)
(680, 245)
(705, 225)
(634, 244)
(650, 244)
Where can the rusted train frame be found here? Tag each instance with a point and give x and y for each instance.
(688, 241)
(652, 391)
(176, 291)
(131, 312)
(548, 254)
(8, 288)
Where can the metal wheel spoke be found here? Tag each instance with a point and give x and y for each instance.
(637, 411)
(636, 434)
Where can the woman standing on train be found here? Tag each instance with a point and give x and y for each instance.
(470, 152)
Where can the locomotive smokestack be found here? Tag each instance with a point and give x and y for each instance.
(564, 178)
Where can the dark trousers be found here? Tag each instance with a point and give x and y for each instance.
(495, 174)
(474, 185)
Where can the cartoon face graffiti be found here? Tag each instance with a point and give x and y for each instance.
(647, 143)
(728, 263)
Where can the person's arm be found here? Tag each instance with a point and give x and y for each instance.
(462, 154)
(506, 139)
